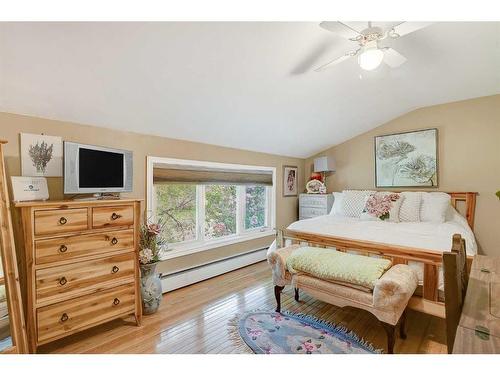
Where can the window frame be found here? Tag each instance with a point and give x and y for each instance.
(200, 243)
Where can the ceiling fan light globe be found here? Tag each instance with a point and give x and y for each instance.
(370, 59)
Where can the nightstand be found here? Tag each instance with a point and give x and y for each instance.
(312, 205)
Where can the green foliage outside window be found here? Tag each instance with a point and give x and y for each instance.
(176, 206)
(220, 210)
(255, 215)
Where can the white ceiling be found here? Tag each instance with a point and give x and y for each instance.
(242, 85)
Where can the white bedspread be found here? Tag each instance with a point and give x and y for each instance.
(423, 235)
(430, 236)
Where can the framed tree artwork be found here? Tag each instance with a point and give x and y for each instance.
(407, 159)
(290, 179)
(41, 155)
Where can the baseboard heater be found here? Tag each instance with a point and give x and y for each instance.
(202, 272)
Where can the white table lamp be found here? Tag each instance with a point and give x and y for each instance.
(324, 164)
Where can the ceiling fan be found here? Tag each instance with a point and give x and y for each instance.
(370, 53)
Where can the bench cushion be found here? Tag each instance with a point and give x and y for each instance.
(332, 265)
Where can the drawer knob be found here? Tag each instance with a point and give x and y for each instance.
(63, 248)
(114, 241)
(115, 269)
(64, 317)
(116, 302)
(63, 220)
(115, 216)
(63, 280)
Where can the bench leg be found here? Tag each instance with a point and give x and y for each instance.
(277, 294)
(402, 325)
(390, 330)
(297, 294)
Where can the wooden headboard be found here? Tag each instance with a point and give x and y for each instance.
(469, 198)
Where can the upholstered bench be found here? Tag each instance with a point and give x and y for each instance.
(387, 301)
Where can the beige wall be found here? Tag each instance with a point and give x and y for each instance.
(143, 145)
(469, 157)
(469, 160)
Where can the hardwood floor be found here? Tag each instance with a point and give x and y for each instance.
(195, 319)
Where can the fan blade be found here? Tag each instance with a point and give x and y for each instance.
(336, 61)
(340, 29)
(393, 58)
(405, 28)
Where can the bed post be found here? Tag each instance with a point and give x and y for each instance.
(469, 198)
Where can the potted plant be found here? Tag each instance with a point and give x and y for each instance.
(151, 247)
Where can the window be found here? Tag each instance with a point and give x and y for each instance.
(176, 206)
(205, 205)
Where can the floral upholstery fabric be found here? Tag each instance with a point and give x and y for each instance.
(395, 288)
(389, 298)
(277, 261)
(331, 288)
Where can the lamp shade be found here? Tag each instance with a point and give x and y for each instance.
(324, 164)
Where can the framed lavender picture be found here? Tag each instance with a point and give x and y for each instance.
(41, 155)
(407, 159)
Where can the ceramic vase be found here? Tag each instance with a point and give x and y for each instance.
(151, 292)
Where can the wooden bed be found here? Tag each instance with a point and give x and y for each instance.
(464, 202)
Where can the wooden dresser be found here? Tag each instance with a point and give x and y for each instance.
(79, 267)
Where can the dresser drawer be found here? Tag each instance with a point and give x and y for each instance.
(74, 247)
(103, 217)
(67, 317)
(60, 282)
(313, 200)
(312, 212)
(60, 221)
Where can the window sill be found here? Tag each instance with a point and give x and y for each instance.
(196, 248)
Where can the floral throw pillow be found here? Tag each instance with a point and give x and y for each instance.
(383, 206)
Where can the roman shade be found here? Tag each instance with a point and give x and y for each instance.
(185, 174)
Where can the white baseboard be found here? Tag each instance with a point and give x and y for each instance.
(179, 279)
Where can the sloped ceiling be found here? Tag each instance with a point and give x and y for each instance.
(242, 85)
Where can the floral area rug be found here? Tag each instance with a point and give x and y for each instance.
(265, 332)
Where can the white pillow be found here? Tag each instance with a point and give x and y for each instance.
(338, 199)
(354, 202)
(382, 205)
(434, 207)
(410, 207)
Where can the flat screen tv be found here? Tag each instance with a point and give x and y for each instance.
(95, 169)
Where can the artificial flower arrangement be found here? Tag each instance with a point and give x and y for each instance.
(151, 242)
